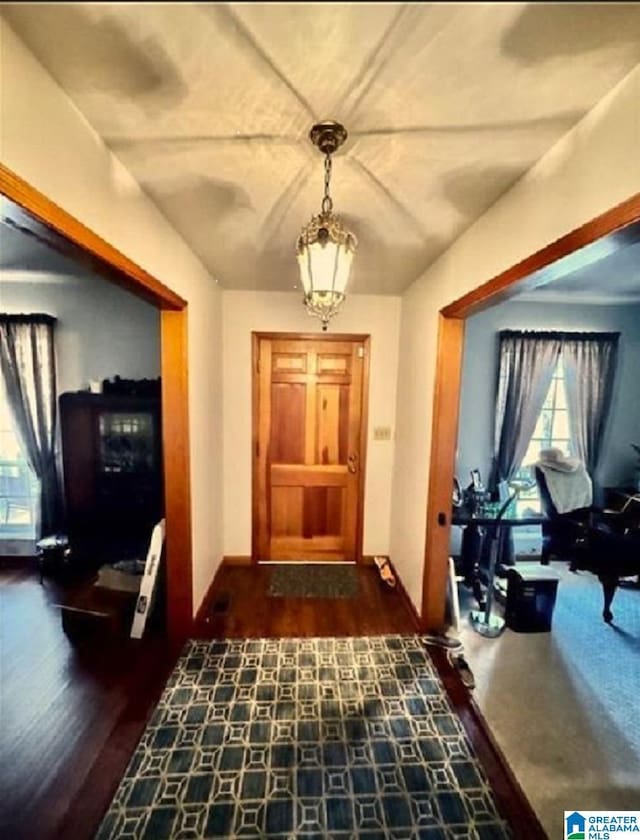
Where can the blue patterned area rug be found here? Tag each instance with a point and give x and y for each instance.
(304, 738)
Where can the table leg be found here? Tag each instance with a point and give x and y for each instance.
(471, 549)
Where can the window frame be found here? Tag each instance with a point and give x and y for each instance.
(13, 460)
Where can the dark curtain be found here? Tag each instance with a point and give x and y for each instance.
(527, 362)
(589, 364)
(27, 364)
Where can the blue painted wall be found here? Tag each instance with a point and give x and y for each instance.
(477, 409)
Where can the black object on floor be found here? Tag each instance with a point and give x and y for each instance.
(314, 581)
(531, 597)
(221, 604)
(458, 661)
(443, 641)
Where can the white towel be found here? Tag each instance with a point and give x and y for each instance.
(569, 490)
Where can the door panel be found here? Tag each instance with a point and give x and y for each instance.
(334, 366)
(288, 406)
(289, 363)
(309, 447)
(323, 512)
(287, 505)
(332, 424)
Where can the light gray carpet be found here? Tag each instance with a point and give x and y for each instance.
(297, 580)
(563, 705)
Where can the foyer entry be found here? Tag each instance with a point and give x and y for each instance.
(309, 441)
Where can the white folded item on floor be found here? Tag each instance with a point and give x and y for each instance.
(112, 578)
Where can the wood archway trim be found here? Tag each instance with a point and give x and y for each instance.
(616, 227)
(52, 222)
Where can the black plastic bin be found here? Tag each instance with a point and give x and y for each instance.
(531, 597)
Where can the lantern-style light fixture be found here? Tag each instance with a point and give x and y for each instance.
(325, 248)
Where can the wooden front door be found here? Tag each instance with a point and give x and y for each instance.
(309, 439)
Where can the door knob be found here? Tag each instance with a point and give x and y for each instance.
(352, 463)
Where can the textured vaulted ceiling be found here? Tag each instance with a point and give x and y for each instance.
(210, 105)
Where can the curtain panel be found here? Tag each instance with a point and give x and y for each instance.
(527, 361)
(28, 368)
(590, 365)
(526, 365)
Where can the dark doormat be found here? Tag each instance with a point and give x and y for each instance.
(297, 580)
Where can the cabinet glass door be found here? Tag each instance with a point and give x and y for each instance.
(126, 442)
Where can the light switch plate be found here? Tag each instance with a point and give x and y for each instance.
(381, 433)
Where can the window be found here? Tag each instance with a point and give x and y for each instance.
(552, 430)
(18, 484)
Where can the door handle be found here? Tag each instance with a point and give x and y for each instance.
(352, 463)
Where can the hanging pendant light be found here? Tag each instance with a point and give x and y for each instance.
(325, 248)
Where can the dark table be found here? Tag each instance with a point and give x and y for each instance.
(479, 530)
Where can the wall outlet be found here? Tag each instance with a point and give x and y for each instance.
(382, 433)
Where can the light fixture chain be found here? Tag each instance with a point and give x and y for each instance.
(327, 202)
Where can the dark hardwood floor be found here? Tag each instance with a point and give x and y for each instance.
(71, 714)
(68, 712)
(239, 607)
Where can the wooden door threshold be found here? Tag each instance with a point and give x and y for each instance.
(307, 562)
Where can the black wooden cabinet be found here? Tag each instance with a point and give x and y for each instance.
(112, 465)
